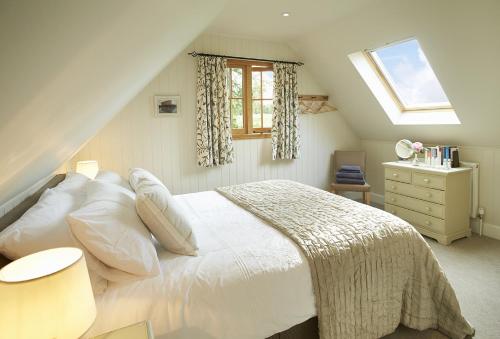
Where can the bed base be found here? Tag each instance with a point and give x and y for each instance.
(306, 330)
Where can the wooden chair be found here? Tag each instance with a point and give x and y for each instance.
(350, 158)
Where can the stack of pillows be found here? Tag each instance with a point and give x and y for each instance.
(350, 174)
(110, 219)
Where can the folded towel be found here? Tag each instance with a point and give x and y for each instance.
(350, 175)
(350, 181)
(350, 168)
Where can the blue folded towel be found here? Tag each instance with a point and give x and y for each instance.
(350, 181)
(350, 175)
(350, 168)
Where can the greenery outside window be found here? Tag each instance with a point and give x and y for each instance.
(251, 98)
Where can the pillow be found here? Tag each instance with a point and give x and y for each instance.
(162, 214)
(109, 228)
(41, 227)
(73, 183)
(112, 178)
(44, 226)
(136, 175)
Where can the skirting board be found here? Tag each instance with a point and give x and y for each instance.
(489, 230)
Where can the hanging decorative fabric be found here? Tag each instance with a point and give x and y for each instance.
(214, 144)
(285, 131)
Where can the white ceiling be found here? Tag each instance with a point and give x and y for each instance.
(262, 19)
(459, 37)
(68, 66)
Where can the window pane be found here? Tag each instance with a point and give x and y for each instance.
(256, 111)
(236, 113)
(237, 77)
(267, 84)
(407, 70)
(268, 113)
(256, 90)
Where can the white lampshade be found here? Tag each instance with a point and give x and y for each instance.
(46, 295)
(88, 168)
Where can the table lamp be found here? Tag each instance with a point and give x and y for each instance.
(46, 295)
(88, 168)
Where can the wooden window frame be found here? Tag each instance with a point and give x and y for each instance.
(392, 92)
(248, 131)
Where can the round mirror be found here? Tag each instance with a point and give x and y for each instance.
(404, 149)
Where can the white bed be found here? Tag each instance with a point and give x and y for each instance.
(248, 281)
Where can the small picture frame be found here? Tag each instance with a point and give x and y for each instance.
(167, 105)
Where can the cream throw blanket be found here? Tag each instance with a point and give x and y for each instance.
(370, 269)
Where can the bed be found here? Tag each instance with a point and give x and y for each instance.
(249, 280)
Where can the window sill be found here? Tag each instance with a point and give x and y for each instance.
(251, 136)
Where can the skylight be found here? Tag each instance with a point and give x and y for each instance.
(410, 76)
(403, 82)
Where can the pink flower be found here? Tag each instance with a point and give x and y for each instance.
(417, 147)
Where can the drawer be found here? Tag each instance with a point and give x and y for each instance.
(398, 174)
(429, 180)
(417, 219)
(418, 192)
(417, 205)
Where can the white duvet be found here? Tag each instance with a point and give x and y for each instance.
(248, 281)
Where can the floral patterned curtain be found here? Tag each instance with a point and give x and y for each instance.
(285, 132)
(214, 144)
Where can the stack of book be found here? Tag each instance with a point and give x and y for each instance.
(443, 156)
(350, 174)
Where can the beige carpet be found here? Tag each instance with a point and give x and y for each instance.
(473, 267)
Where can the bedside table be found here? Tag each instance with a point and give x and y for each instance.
(140, 330)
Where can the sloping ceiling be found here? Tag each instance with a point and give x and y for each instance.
(263, 20)
(67, 66)
(459, 37)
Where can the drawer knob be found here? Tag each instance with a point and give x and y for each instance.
(393, 199)
(393, 212)
(426, 180)
(393, 187)
(429, 195)
(427, 208)
(395, 174)
(428, 223)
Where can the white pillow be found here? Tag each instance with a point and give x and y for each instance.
(109, 228)
(112, 178)
(161, 213)
(74, 183)
(44, 226)
(136, 175)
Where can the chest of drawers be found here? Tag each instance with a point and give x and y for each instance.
(435, 201)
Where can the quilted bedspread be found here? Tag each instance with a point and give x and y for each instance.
(370, 270)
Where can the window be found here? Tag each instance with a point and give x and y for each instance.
(405, 69)
(251, 98)
(402, 80)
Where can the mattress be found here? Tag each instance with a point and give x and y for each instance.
(248, 281)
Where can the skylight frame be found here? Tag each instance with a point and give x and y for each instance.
(383, 74)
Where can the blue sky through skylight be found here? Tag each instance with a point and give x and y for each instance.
(409, 73)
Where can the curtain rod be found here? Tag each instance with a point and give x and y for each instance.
(195, 54)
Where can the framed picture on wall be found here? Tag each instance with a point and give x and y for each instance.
(167, 105)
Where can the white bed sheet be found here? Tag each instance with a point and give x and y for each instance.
(248, 281)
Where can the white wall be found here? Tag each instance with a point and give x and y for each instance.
(489, 167)
(166, 146)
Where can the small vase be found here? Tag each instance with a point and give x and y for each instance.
(415, 159)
